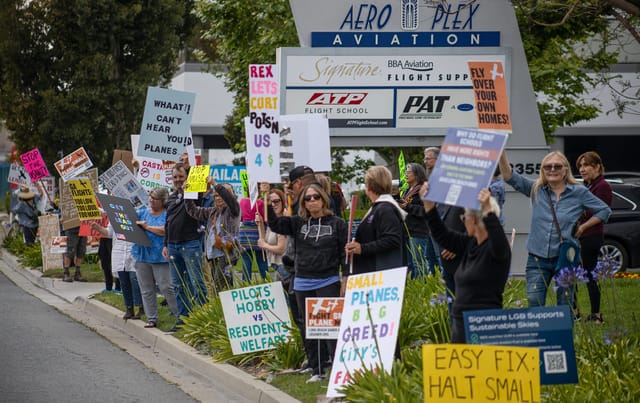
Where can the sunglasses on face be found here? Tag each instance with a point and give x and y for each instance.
(312, 197)
(552, 167)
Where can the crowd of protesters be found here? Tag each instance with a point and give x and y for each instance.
(295, 234)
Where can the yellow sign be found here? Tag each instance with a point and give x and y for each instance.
(480, 373)
(84, 199)
(197, 180)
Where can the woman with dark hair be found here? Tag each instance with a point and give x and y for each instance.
(416, 225)
(591, 239)
(223, 221)
(319, 238)
(554, 193)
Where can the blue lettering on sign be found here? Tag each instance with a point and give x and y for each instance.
(404, 39)
(365, 16)
(454, 19)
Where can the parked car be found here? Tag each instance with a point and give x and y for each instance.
(622, 231)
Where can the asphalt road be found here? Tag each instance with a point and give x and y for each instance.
(47, 357)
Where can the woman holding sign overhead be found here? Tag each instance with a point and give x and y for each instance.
(151, 267)
(486, 257)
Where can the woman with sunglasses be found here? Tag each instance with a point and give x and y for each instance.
(272, 243)
(319, 238)
(555, 187)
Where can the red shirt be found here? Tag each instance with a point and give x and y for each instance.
(602, 190)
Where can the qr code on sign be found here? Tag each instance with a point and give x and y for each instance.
(555, 362)
(453, 194)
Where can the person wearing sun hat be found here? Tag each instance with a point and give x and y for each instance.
(27, 213)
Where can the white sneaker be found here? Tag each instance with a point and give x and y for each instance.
(315, 378)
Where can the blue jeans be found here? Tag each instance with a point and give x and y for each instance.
(432, 253)
(247, 263)
(130, 288)
(185, 260)
(540, 272)
(416, 256)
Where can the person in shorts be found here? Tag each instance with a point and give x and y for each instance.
(76, 249)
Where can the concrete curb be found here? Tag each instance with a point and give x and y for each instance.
(232, 378)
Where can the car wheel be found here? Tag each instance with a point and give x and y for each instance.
(615, 251)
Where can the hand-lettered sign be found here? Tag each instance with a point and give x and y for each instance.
(123, 217)
(34, 164)
(73, 164)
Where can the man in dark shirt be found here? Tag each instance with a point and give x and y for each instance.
(183, 248)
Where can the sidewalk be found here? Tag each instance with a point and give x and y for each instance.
(74, 299)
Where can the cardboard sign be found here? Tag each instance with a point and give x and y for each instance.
(261, 126)
(165, 131)
(125, 156)
(550, 329)
(463, 372)
(467, 161)
(87, 230)
(49, 227)
(123, 217)
(34, 164)
(197, 179)
(363, 341)
(121, 182)
(490, 91)
(18, 175)
(68, 211)
(73, 164)
(257, 317)
(84, 198)
(323, 317)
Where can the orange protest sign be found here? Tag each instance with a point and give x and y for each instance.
(490, 92)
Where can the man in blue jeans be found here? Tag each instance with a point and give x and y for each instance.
(183, 248)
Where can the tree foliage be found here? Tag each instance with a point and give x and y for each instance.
(75, 72)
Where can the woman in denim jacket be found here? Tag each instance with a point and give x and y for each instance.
(557, 185)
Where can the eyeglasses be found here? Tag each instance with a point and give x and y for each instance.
(154, 198)
(552, 167)
(275, 201)
(463, 217)
(314, 196)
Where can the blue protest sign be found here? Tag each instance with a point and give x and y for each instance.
(548, 328)
(467, 161)
(166, 124)
(229, 174)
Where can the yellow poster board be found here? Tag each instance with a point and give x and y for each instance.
(480, 373)
(197, 180)
(84, 199)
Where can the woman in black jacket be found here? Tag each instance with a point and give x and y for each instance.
(319, 238)
(486, 257)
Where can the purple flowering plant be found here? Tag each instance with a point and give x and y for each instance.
(571, 276)
(606, 268)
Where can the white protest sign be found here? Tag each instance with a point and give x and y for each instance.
(18, 175)
(73, 164)
(310, 140)
(363, 341)
(165, 132)
(152, 174)
(121, 182)
(257, 317)
(323, 317)
(261, 126)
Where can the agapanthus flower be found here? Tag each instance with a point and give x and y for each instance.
(570, 276)
(606, 268)
(442, 298)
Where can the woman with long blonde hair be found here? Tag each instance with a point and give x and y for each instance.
(555, 190)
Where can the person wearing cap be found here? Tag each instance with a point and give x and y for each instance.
(27, 213)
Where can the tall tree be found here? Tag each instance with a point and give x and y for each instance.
(75, 72)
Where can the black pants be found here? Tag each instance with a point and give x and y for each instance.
(104, 253)
(589, 251)
(326, 347)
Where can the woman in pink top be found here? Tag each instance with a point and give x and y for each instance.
(249, 236)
